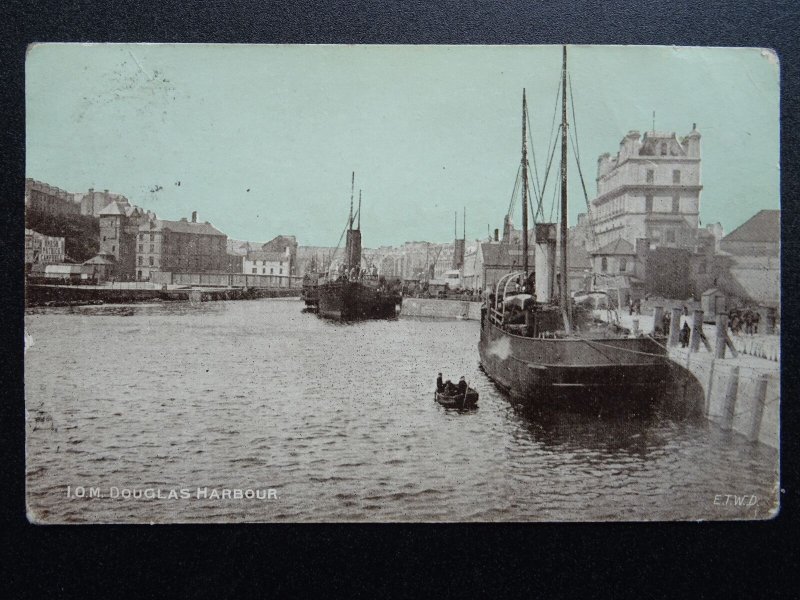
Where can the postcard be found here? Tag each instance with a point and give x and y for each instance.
(344, 283)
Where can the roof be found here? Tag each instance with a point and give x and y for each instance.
(182, 226)
(764, 226)
(618, 246)
(267, 256)
(101, 259)
(713, 292)
(114, 208)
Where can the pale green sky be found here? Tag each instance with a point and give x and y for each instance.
(427, 129)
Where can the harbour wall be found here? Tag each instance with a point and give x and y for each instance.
(39, 295)
(739, 394)
(441, 309)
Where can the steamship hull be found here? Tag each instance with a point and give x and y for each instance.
(534, 370)
(350, 301)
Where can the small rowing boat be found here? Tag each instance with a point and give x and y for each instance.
(456, 400)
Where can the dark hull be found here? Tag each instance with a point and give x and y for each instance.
(535, 370)
(350, 301)
(468, 400)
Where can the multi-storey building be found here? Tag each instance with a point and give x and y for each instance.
(94, 201)
(119, 225)
(49, 199)
(180, 247)
(649, 190)
(42, 249)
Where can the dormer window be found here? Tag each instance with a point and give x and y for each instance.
(663, 148)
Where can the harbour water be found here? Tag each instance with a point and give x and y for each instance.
(339, 420)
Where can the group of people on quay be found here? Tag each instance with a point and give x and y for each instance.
(747, 317)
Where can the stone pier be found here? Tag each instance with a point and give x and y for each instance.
(742, 391)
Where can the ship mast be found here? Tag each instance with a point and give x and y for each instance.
(565, 304)
(524, 185)
(350, 222)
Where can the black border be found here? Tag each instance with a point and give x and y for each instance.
(681, 558)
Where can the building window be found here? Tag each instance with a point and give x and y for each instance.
(676, 204)
(104, 238)
(650, 175)
(140, 260)
(141, 236)
(151, 237)
(264, 271)
(604, 264)
(623, 264)
(648, 204)
(663, 148)
(271, 271)
(151, 261)
(701, 268)
(280, 272)
(676, 176)
(669, 236)
(255, 270)
(152, 247)
(141, 247)
(113, 248)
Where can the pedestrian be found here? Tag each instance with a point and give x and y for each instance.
(686, 332)
(666, 321)
(756, 319)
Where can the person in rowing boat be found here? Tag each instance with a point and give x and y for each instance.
(439, 384)
(462, 387)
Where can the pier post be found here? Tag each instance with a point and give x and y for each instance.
(729, 405)
(635, 327)
(722, 336)
(697, 327)
(759, 400)
(675, 327)
(658, 317)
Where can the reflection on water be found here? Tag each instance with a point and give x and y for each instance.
(341, 421)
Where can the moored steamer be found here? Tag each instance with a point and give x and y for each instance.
(538, 349)
(350, 293)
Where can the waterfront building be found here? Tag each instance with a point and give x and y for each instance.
(749, 264)
(263, 262)
(119, 225)
(42, 249)
(180, 247)
(649, 189)
(48, 199)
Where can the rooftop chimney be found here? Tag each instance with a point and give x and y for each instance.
(194, 216)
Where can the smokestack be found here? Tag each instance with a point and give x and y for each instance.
(194, 216)
(496, 235)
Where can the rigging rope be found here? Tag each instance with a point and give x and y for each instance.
(577, 153)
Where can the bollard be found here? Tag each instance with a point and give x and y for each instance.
(722, 336)
(697, 328)
(658, 317)
(729, 405)
(675, 327)
(759, 400)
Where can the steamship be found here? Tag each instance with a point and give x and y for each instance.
(538, 345)
(350, 293)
